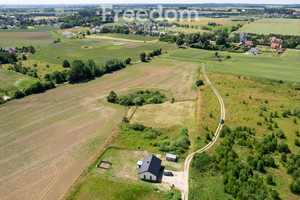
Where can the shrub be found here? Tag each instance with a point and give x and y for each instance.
(259, 123)
(199, 83)
(263, 108)
(270, 179)
(280, 134)
(297, 142)
(201, 162)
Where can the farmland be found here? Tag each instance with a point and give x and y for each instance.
(99, 50)
(284, 68)
(48, 139)
(24, 38)
(276, 26)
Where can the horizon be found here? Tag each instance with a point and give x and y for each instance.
(154, 2)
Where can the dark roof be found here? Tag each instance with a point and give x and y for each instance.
(151, 164)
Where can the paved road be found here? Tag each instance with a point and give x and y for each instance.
(185, 192)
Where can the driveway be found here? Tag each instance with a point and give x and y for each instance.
(177, 180)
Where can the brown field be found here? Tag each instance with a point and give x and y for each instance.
(48, 139)
(14, 37)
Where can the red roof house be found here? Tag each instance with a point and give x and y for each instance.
(248, 43)
(274, 46)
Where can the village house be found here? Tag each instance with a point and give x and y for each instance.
(276, 40)
(254, 51)
(242, 37)
(275, 45)
(248, 43)
(150, 168)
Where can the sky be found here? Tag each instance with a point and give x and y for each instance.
(19, 2)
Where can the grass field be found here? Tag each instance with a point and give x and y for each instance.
(131, 37)
(242, 108)
(284, 68)
(11, 81)
(99, 50)
(48, 139)
(270, 25)
(95, 187)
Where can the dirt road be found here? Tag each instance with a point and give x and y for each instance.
(120, 39)
(185, 192)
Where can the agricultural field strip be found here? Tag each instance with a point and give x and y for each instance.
(188, 160)
(20, 189)
(120, 39)
(64, 169)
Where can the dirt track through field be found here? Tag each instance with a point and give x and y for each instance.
(185, 191)
(48, 139)
(120, 39)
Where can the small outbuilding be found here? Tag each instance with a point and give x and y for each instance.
(171, 157)
(150, 168)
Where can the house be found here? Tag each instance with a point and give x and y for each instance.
(279, 41)
(254, 51)
(9, 49)
(133, 31)
(242, 37)
(276, 40)
(150, 168)
(272, 39)
(171, 157)
(66, 34)
(274, 46)
(248, 43)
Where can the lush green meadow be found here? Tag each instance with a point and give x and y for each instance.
(99, 50)
(242, 109)
(95, 187)
(10, 80)
(284, 67)
(271, 25)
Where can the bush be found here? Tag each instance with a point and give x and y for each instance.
(143, 57)
(201, 162)
(270, 179)
(283, 147)
(259, 123)
(199, 83)
(297, 142)
(280, 134)
(295, 187)
(263, 108)
(66, 64)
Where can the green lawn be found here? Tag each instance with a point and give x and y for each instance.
(271, 25)
(98, 50)
(286, 67)
(95, 187)
(10, 80)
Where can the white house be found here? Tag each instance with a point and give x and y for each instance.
(254, 51)
(150, 168)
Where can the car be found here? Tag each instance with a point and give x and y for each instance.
(222, 121)
(168, 174)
